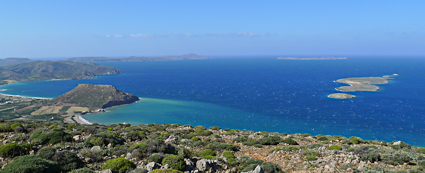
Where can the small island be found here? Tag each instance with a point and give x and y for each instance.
(341, 96)
(361, 83)
(312, 58)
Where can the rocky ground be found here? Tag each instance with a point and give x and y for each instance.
(168, 148)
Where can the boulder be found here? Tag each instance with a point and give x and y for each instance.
(171, 140)
(257, 169)
(152, 166)
(77, 138)
(106, 171)
(95, 148)
(206, 165)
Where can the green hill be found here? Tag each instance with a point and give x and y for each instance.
(47, 70)
(11, 61)
(94, 97)
(190, 56)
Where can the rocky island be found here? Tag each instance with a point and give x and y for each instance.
(94, 97)
(190, 56)
(341, 96)
(361, 83)
(312, 58)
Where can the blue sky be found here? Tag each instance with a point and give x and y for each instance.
(215, 28)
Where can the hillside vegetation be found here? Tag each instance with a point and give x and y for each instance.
(135, 59)
(95, 96)
(47, 70)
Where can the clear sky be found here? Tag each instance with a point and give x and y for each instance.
(270, 28)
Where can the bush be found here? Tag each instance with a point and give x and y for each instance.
(312, 146)
(183, 152)
(103, 139)
(421, 150)
(271, 167)
(396, 158)
(13, 126)
(53, 137)
(203, 133)
(12, 150)
(323, 138)
(345, 167)
(195, 138)
(271, 140)
(175, 162)
(228, 155)
(31, 163)
(355, 140)
(157, 158)
(46, 153)
(68, 160)
(367, 154)
(200, 128)
(206, 154)
(166, 171)
(335, 147)
(310, 152)
(290, 141)
(119, 165)
(310, 158)
(401, 146)
(82, 170)
(215, 128)
(5, 127)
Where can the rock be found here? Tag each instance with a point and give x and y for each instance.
(32, 152)
(128, 156)
(332, 164)
(152, 166)
(110, 145)
(189, 162)
(95, 148)
(106, 171)
(360, 168)
(88, 160)
(166, 166)
(184, 140)
(208, 165)
(77, 138)
(397, 143)
(327, 167)
(5, 142)
(257, 169)
(171, 140)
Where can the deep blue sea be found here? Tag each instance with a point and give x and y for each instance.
(263, 94)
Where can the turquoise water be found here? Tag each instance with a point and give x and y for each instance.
(264, 94)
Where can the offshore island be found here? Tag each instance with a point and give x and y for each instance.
(312, 58)
(358, 84)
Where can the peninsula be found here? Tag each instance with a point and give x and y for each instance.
(361, 83)
(136, 59)
(48, 70)
(312, 58)
(94, 97)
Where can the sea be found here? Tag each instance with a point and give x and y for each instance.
(263, 94)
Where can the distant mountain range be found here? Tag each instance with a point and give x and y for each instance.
(133, 59)
(11, 61)
(47, 70)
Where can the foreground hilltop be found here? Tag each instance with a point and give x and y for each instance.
(95, 97)
(135, 59)
(50, 146)
(48, 70)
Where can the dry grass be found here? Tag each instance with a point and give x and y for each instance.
(47, 110)
(73, 110)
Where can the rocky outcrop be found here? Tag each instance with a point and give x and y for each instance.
(95, 97)
(341, 96)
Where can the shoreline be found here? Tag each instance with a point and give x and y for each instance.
(80, 120)
(19, 96)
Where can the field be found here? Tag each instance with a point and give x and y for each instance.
(47, 110)
(73, 110)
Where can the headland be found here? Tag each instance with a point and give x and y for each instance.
(312, 58)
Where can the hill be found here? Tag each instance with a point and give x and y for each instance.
(11, 61)
(94, 97)
(47, 70)
(135, 59)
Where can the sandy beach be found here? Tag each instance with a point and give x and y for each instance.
(80, 120)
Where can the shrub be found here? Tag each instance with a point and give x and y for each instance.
(203, 133)
(71, 126)
(157, 158)
(345, 167)
(396, 158)
(195, 138)
(271, 167)
(216, 146)
(82, 170)
(335, 147)
(400, 146)
(68, 160)
(103, 139)
(166, 171)
(5, 127)
(119, 165)
(240, 139)
(200, 128)
(215, 128)
(183, 152)
(421, 150)
(310, 158)
(270, 140)
(12, 150)
(206, 154)
(355, 140)
(290, 141)
(175, 162)
(312, 146)
(13, 126)
(228, 154)
(46, 153)
(31, 163)
(310, 152)
(136, 135)
(53, 137)
(323, 138)
(367, 154)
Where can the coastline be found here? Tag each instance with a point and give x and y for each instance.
(19, 96)
(80, 120)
